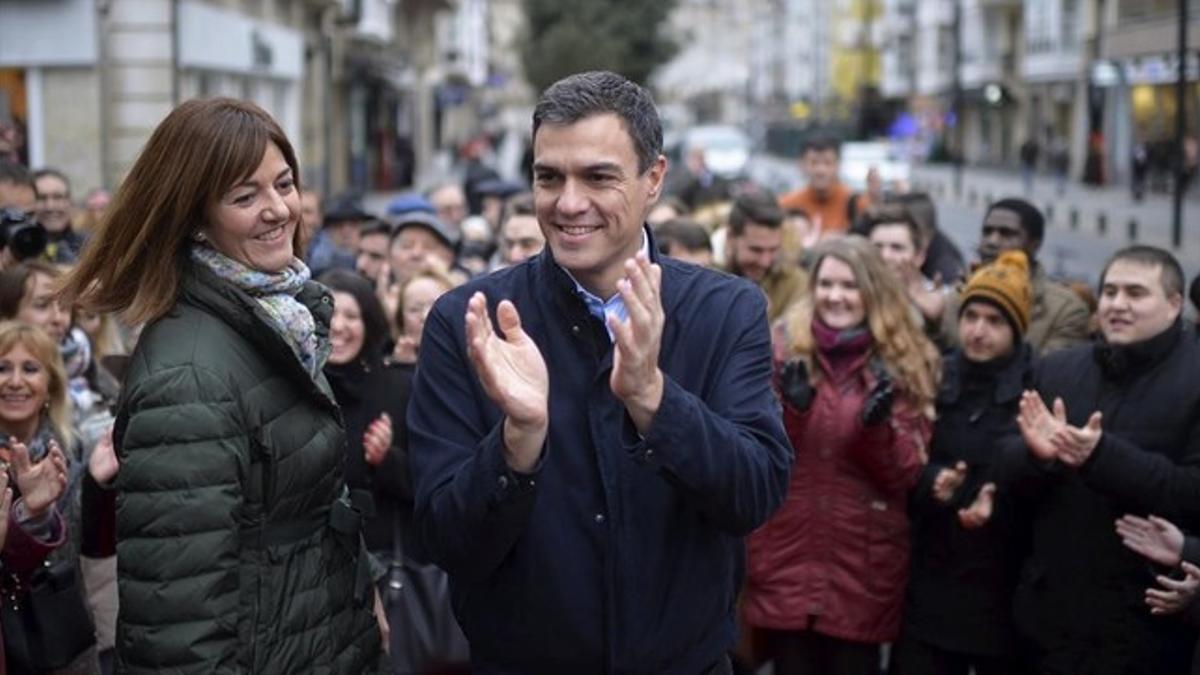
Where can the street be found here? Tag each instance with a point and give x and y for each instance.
(1084, 226)
(1071, 251)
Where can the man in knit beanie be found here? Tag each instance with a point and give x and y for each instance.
(1004, 285)
(962, 571)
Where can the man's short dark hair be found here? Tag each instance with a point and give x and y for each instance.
(520, 204)
(821, 143)
(53, 173)
(893, 214)
(759, 207)
(1032, 220)
(684, 233)
(922, 209)
(375, 226)
(1151, 256)
(16, 174)
(599, 91)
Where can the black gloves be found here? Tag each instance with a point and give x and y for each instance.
(798, 391)
(878, 406)
(794, 385)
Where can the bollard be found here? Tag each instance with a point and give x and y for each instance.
(1074, 218)
(972, 197)
(1102, 224)
(1049, 211)
(1133, 230)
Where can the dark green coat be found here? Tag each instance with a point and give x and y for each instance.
(231, 462)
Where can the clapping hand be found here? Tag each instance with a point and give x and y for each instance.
(41, 483)
(636, 379)
(6, 500)
(979, 512)
(1049, 436)
(795, 386)
(377, 440)
(1076, 444)
(930, 301)
(1038, 426)
(405, 350)
(513, 374)
(812, 236)
(948, 481)
(1154, 538)
(103, 464)
(878, 406)
(1175, 595)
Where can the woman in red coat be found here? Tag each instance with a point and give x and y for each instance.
(858, 378)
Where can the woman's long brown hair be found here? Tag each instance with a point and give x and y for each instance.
(203, 148)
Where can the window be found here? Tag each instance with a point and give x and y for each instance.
(1070, 23)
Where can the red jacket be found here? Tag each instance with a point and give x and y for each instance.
(836, 553)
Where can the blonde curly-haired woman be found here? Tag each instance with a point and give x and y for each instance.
(858, 379)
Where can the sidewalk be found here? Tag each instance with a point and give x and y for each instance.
(1107, 212)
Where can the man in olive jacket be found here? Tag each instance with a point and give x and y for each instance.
(1059, 318)
(587, 479)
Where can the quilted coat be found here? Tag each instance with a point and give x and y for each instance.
(835, 558)
(237, 549)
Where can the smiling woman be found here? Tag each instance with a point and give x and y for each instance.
(858, 378)
(35, 424)
(27, 295)
(227, 431)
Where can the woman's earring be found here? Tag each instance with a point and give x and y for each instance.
(198, 237)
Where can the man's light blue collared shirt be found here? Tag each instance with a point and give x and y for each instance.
(615, 305)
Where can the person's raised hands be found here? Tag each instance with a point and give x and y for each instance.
(41, 483)
(1156, 539)
(513, 374)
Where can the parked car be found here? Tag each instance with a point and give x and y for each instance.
(859, 156)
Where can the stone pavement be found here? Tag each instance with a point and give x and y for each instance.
(1104, 212)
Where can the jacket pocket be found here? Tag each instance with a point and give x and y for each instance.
(887, 550)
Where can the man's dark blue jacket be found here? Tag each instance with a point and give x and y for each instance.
(619, 554)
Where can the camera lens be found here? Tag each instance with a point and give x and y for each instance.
(27, 241)
(24, 238)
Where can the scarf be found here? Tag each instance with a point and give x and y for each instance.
(275, 293)
(841, 348)
(76, 352)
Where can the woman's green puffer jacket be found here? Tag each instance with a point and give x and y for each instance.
(232, 556)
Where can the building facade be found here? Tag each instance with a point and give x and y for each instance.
(353, 83)
(1134, 80)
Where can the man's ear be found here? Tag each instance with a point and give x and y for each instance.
(656, 174)
(1176, 302)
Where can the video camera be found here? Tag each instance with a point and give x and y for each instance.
(23, 236)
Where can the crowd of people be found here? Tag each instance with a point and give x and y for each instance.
(619, 422)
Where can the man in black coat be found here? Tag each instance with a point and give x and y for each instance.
(1121, 435)
(966, 542)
